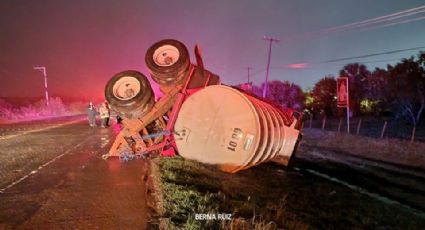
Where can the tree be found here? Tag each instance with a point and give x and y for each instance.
(406, 85)
(324, 96)
(357, 78)
(375, 95)
(286, 94)
(256, 90)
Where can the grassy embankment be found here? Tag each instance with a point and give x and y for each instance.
(188, 187)
(265, 197)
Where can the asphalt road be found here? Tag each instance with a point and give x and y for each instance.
(56, 179)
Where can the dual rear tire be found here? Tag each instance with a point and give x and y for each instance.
(168, 62)
(130, 94)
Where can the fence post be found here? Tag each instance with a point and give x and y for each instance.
(383, 129)
(412, 139)
(358, 126)
(324, 122)
(339, 125)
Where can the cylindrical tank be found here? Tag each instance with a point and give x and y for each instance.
(130, 94)
(168, 62)
(223, 126)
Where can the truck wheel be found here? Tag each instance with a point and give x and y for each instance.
(168, 61)
(129, 93)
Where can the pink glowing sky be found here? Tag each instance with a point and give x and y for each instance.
(84, 42)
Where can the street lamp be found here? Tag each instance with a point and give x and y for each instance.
(43, 70)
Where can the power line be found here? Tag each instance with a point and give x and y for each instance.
(368, 24)
(395, 23)
(308, 65)
(387, 20)
(313, 65)
(372, 55)
(384, 60)
(389, 17)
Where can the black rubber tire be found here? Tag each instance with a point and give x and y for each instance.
(292, 158)
(166, 75)
(139, 104)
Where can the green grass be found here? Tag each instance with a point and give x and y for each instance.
(189, 187)
(268, 197)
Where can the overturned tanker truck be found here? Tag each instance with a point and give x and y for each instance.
(197, 117)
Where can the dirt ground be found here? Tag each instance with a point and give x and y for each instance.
(394, 151)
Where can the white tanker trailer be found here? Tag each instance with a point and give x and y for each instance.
(197, 118)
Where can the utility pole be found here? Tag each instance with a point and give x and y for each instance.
(249, 68)
(271, 40)
(43, 70)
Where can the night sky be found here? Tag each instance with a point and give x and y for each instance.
(84, 42)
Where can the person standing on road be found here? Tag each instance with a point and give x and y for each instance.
(104, 114)
(91, 114)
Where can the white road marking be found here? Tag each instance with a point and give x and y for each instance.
(40, 167)
(365, 192)
(42, 129)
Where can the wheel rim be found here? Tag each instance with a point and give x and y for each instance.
(166, 55)
(126, 88)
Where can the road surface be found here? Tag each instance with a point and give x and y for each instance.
(55, 178)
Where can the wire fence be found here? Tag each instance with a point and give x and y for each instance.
(370, 127)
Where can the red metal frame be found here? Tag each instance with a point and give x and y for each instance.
(168, 145)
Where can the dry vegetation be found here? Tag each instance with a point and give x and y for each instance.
(388, 150)
(39, 109)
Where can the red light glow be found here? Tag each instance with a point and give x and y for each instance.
(297, 66)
